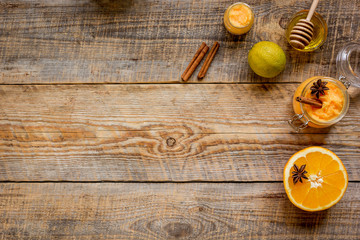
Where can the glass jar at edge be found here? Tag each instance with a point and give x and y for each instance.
(348, 64)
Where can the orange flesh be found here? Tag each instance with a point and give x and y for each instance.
(240, 15)
(333, 103)
(324, 184)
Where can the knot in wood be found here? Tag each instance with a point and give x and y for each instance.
(284, 20)
(178, 229)
(170, 142)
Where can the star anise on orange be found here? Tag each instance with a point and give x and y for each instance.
(299, 173)
(318, 88)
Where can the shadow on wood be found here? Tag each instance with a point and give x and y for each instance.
(114, 5)
(303, 219)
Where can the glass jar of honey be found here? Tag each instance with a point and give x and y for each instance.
(335, 100)
(238, 18)
(320, 30)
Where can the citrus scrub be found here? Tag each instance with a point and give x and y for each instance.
(238, 18)
(315, 179)
(267, 59)
(332, 104)
(335, 101)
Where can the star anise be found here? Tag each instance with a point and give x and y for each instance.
(299, 174)
(318, 88)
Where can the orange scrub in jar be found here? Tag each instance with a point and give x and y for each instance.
(335, 103)
(332, 104)
(238, 18)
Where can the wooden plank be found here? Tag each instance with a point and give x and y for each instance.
(207, 108)
(102, 41)
(158, 133)
(145, 156)
(169, 211)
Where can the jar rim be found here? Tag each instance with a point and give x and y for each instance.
(343, 63)
(344, 109)
(233, 5)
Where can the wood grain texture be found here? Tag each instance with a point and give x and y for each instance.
(152, 132)
(169, 211)
(158, 133)
(137, 41)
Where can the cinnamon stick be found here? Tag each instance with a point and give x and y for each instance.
(195, 63)
(193, 59)
(310, 101)
(208, 60)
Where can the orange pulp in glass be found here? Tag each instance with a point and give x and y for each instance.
(333, 104)
(238, 18)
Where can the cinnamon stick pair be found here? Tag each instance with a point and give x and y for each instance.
(195, 61)
(208, 60)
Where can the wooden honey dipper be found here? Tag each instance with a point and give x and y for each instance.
(303, 31)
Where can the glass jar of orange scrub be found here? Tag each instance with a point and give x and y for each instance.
(320, 101)
(238, 18)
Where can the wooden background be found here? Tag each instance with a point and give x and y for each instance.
(99, 139)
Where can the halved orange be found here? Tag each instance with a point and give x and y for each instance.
(325, 179)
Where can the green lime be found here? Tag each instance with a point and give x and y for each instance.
(267, 59)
